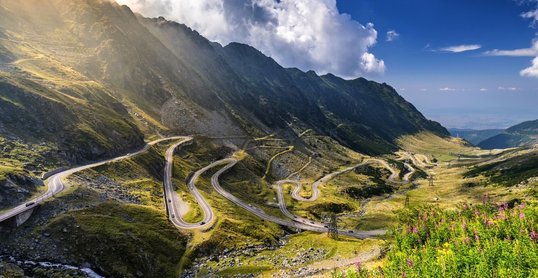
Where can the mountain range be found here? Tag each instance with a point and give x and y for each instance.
(90, 79)
(521, 135)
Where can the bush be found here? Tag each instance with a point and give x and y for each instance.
(485, 240)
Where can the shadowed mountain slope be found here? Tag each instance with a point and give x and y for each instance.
(520, 135)
(90, 78)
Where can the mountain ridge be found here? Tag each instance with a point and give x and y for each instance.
(161, 76)
(524, 134)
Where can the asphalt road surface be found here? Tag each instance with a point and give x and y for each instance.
(315, 191)
(176, 207)
(230, 162)
(56, 183)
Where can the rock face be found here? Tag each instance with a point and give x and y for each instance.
(17, 188)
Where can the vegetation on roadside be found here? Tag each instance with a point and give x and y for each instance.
(484, 240)
(121, 240)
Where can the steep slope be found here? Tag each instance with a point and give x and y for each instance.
(89, 78)
(361, 114)
(520, 135)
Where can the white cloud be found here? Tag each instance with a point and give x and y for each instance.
(500, 88)
(483, 89)
(392, 35)
(531, 71)
(447, 89)
(461, 48)
(521, 52)
(531, 15)
(423, 90)
(371, 64)
(309, 34)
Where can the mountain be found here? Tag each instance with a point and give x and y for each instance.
(474, 136)
(520, 135)
(89, 79)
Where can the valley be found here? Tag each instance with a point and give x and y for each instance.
(135, 147)
(365, 219)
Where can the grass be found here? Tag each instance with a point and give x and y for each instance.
(268, 262)
(269, 163)
(144, 239)
(234, 271)
(336, 198)
(443, 149)
(140, 177)
(484, 240)
(512, 170)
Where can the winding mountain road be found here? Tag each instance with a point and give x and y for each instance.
(315, 191)
(230, 162)
(296, 194)
(56, 182)
(176, 206)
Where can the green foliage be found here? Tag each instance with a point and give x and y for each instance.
(324, 209)
(485, 240)
(510, 171)
(123, 240)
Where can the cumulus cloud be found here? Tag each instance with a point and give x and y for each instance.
(447, 89)
(531, 71)
(461, 48)
(392, 35)
(309, 34)
(483, 89)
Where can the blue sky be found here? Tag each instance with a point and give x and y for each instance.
(479, 91)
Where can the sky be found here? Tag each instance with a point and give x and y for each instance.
(464, 63)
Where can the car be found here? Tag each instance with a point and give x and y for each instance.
(312, 222)
(173, 216)
(203, 222)
(30, 204)
(169, 201)
(351, 231)
(326, 226)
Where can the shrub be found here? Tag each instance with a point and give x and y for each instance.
(485, 240)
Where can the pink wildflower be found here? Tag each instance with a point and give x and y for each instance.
(476, 237)
(521, 215)
(410, 262)
(415, 230)
(476, 212)
(522, 205)
(358, 266)
(464, 224)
